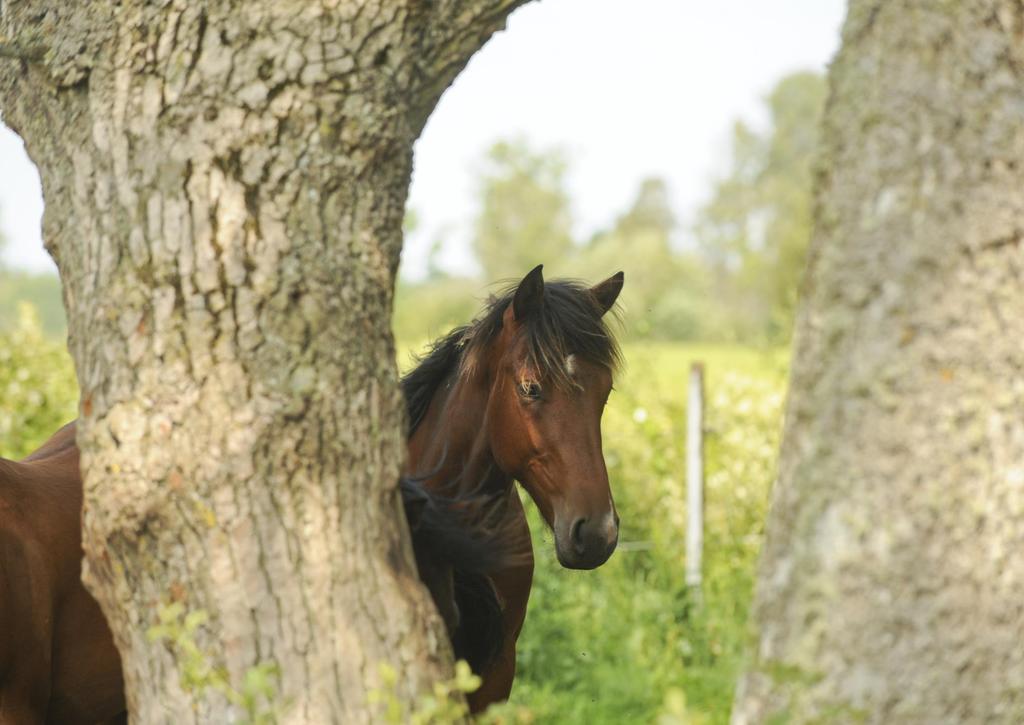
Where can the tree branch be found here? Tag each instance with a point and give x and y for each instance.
(457, 30)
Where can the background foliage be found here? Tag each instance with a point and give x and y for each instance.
(731, 274)
(38, 389)
(754, 231)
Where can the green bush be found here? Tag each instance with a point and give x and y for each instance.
(38, 389)
(430, 309)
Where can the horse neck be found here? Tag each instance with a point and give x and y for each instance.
(451, 442)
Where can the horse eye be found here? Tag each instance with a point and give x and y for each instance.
(530, 389)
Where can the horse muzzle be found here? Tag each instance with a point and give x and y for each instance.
(588, 541)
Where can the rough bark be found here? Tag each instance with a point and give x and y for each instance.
(224, 186)
(892, 586)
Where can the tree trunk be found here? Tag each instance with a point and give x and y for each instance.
(891, 583)
(224, 187)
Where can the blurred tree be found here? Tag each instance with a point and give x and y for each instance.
(752, 235)
(666, 298)
(435, 270)
(429, 309)
(524, 216)
(651, 211)
(41, 290)
(755, 229)
(891, 580)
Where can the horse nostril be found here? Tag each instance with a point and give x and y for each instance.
(576, 534)
(616, 520)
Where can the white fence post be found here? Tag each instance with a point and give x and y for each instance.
(695, 477)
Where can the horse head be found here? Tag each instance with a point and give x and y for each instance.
(550, 374)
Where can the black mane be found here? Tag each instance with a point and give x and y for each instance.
(420, 384)
(467, 534)
(570, 321)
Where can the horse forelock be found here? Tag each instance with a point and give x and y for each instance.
(432, 369)
(569, 322)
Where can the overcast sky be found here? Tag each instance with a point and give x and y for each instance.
(629, 88)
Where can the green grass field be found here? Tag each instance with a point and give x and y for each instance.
(623, 643)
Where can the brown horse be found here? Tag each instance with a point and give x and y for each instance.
(58, 662)
(517, 395)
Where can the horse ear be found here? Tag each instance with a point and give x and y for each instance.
(608, 291)
(529, 294)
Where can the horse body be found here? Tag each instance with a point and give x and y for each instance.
(517, 396)
(58, 663)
